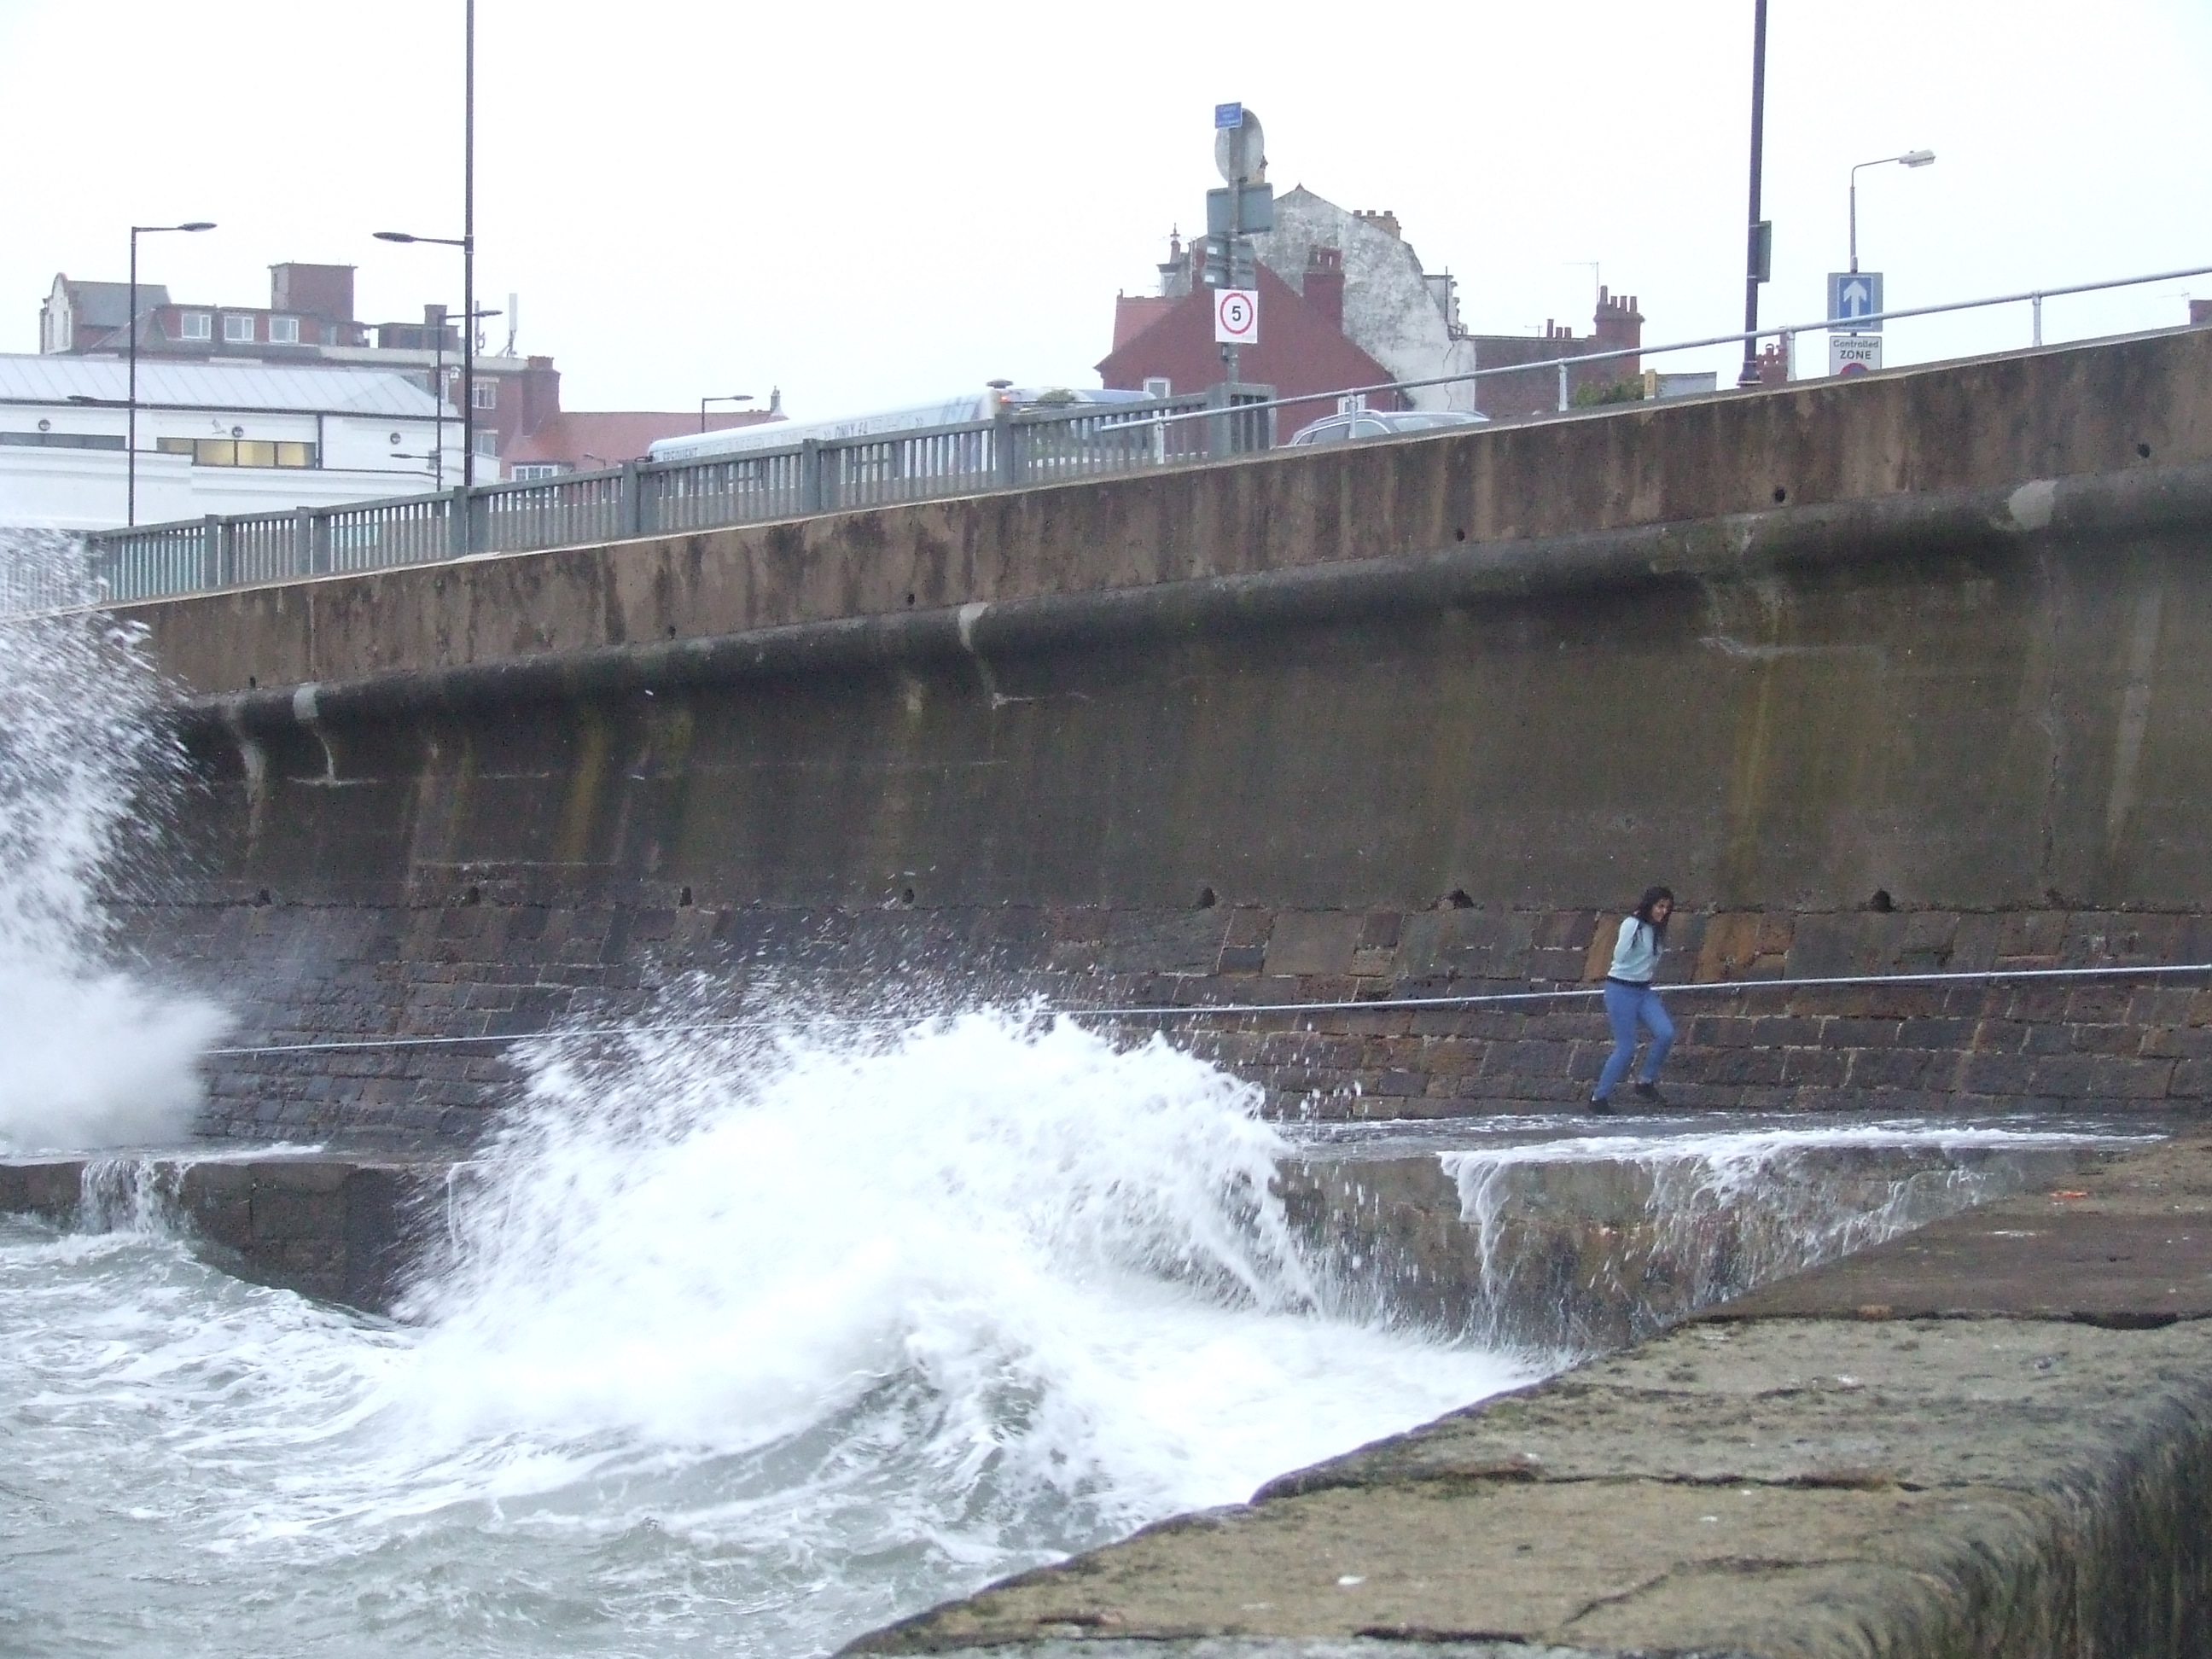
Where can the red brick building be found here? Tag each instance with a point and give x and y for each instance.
(1301, 347)
(1346, 301)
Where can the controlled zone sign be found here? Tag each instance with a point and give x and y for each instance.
(1237, 316)
(1854, 354)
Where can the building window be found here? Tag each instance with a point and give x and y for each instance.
(240, 452)
(525, 471)
(283, 331)
(238, 330)
(485, 394)
(64, 440)
(196, 325)
(487, 443)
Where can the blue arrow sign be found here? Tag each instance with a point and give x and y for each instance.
(1853, 295)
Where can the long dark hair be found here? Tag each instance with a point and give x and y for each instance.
(1652, 897)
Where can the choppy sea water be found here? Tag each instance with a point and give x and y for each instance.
(743, 1351)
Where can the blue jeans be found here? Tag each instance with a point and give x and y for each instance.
(1624, 1005)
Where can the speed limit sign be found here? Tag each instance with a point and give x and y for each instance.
(1237, 316)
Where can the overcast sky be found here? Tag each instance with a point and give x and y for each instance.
(872, 204)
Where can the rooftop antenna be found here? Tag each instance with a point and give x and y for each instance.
(1596, 276)
(514, 322)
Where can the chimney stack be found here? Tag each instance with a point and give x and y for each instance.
(1324, 284)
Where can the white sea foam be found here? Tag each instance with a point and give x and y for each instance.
(93, 1056)
(750, 1346)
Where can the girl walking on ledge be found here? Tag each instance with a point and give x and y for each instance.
(1629, 998)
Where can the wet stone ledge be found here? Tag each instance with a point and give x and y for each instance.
(1991, 1437)
(346, 1231)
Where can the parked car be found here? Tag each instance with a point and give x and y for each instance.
(1380, 423)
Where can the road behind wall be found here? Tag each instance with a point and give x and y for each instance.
(1900, 674)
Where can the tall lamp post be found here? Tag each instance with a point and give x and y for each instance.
(733, 397)
(467, 244)
(1911, 158)
(1759, 242)
(131, 396)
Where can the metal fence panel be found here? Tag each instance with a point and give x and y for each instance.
(1035, 447)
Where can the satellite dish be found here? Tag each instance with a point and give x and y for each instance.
(1240, 152)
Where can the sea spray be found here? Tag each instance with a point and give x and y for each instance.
(1059, 1267)
(90, 1056)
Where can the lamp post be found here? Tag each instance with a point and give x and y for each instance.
(1911, 158)
(1758, 243)
(131, 397)
(733, 397)
(466, 241)
(438, 396)
(468, 246)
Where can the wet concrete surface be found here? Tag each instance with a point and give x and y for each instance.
(1815, 1469)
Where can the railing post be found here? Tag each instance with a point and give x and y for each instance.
(1220, 435)
(810, 475)
(211, 550)
(1006, 463)
(632, 505)
(1562, 383)
(303, 541)
(2035, 301)
(457, 522)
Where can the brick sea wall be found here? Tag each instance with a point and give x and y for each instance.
(485, 968)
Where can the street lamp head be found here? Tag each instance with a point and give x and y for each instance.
(1918, 158)
(198, 224)
(392, 236)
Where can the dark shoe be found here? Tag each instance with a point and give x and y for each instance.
(1649, 1091)
(1600, 1106)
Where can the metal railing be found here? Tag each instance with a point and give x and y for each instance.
(1034, 446)
(648, 498)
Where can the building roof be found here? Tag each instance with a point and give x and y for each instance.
(108, 305)
(166, 382)
(592, 438)
(1135, 312)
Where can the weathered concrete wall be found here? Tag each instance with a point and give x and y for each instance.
(2062, 412)
(1992, 1437)
(1224, 734)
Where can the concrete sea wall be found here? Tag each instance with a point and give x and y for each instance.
(1898, 674)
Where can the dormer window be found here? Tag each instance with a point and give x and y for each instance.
(283, 331)
(196, 325)
(237, 330)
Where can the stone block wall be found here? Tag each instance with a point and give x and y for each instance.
(415, 977)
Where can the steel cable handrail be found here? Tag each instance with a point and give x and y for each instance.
(1202, 1011)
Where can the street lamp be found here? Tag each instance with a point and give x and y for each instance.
(1759, 244)
(1911, 158)
(468, 248)
(130, 398)
(733, 397)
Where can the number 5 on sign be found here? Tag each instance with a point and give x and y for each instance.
(1237, 316)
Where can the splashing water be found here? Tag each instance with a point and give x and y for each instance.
(746, 1348)
(1591, 1241)
(93, 1057)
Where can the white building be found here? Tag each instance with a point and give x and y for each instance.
(213, 437)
